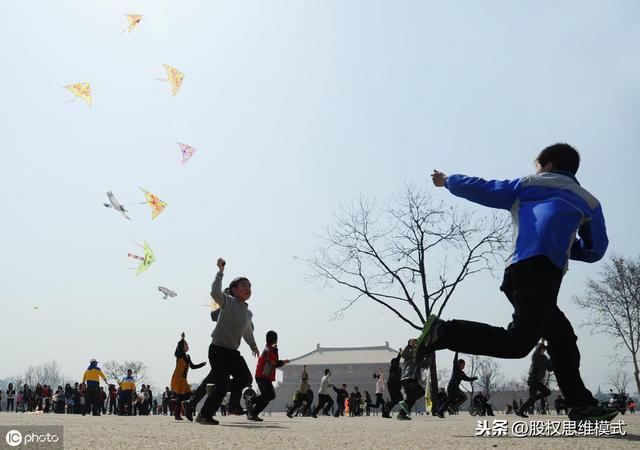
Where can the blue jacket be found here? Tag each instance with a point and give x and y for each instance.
(547, 210)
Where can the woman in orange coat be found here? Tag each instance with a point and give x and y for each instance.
(179, 384)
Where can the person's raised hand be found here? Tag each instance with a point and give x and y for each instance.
(221, 262)
(439, 179)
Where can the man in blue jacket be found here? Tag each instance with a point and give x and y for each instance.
(547, 209)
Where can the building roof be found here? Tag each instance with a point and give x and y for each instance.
(345, 355)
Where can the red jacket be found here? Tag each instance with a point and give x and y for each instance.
(267, 363)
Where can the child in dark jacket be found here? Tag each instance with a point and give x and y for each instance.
(265, 376)
(341, 396)
(455, 397)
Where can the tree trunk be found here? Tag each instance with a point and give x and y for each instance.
(636, 372)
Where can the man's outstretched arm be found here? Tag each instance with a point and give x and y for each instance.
(492, 193)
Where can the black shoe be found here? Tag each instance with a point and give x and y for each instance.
(591, 413)
(236, 411)
(289, 415)
(427, 339)
(255, 418)
(179, 418)
(206, 420)
(521, 414)
(441, 415)
(188, 410)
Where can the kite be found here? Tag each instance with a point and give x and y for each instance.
(175, 77)
(36, 307)
(187, 152)
(157, 205)
(146, 260)
(113, 203)
(134, 21)
(167, 292)
(81, 90)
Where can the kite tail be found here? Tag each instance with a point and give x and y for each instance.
(131, 255)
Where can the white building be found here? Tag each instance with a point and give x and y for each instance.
(353, 366)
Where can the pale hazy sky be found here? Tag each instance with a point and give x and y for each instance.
(294, 107)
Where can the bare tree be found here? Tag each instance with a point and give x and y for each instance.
(490, 377)
(613, 302)
(117, 370)
(47, 373)
(513, 385)
(619, 380)
(408, 257)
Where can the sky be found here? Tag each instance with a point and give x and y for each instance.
(295, 108)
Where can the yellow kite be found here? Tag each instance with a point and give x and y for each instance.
(175, 78)
(81, 90)
(157, 205)
(134, 21)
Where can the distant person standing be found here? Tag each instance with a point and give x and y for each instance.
(341, 396)
(11, 393)
(127, 390)
(92, 379)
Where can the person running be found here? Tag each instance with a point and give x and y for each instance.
(341, 396)
(455, 397)
(233, 324)
(324, 399)
(548, 209)
(179, 384)
(394, 385)
(411, 374)
(92, 379)
(537, 390)
(301, 394)
(265, 375)
(381, 386)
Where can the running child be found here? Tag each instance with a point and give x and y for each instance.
(411, 374)
(455, 397)
(179, 384)
(548, 209)
(233, 324)
(537, 390)
(268, 362)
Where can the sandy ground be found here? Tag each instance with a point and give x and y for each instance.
(278, 431)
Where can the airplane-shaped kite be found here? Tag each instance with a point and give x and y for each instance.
(113, 203)
(167, 292)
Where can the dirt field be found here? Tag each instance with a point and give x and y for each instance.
(158, 432)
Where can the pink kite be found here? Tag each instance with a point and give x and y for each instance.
(187, 152)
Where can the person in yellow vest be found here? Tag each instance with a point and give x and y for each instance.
(179, 384)
(127, 389)
(92, 379)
